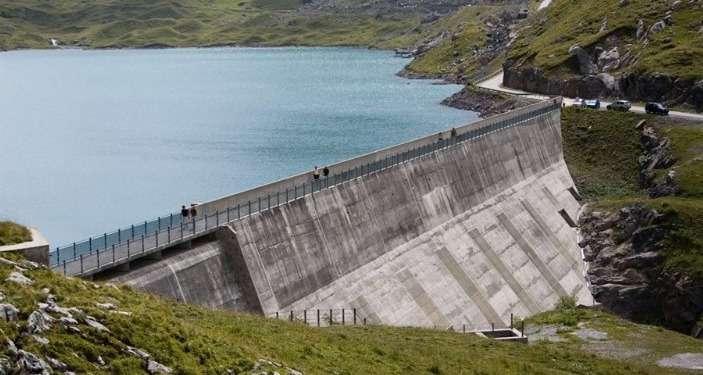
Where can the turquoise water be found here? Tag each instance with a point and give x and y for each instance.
(96, 140)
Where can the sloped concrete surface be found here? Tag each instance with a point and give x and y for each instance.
(467, 235)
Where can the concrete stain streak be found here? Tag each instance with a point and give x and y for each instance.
(504, 272)
(532, 254)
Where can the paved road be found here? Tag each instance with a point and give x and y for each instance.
(496, 83)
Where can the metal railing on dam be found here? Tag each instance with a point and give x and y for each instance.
(119, 247)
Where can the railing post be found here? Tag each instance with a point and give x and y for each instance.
(170, 220)
(318, 317)
(205, 221)
(276, 315)
(511, 320)
(168, 231)
(291, 315)
(331, 317)
(128, 249)
(355, 316)
(119, 235)
(113, 253)
(97, 256)
(158, 220)
(156, 234)
(286, 195)
(228, 220)
(105, 240)
(268, 201)
(342, 316)
(58, 254)
(463, 328)
(193, 225)
(64, 267)
(145, 223)
(142, 243)
(258, 207)
(249, 211)
(181, 230)
(305, 316)
(278, 198)
(90, 244)
(81, 264)
(238, 211)
(74, 251)
(217, 218)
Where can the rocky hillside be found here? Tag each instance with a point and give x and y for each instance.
(642, 178)
(51, 324)
(638, 49)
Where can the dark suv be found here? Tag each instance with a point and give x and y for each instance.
(656, 108)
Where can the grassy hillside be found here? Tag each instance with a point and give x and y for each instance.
(195, 340)
(602, 151)
(135, 23)
(545, 42)
(12, 233)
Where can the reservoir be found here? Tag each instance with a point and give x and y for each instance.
(96, 140)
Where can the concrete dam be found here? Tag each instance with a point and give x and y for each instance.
(466, 230)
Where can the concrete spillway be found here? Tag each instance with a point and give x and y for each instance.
(468, 234)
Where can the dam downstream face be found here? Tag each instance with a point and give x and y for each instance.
(468, 235)
(154, 129)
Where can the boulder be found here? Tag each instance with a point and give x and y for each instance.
(56, 364)
(32, 364)
(9, 312)
(657, 27)
(19, 278)
(90, 321)
(153, 367)
(38, 322)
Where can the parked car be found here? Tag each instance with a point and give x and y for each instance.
(591, 103)
(619, 105)
(656, 109)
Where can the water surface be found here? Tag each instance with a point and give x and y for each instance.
(95, 140)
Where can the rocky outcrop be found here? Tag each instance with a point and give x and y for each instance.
(637, 87)
(656, 155)
(485, 102)
(625, 251)
(536, 80)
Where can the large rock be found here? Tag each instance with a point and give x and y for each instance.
(19, 278)
(38, 322)
(153, 367)
(8, 312)
(584, 60)
(609, 60)
(32, 364)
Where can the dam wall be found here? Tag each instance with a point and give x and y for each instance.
(465, 235)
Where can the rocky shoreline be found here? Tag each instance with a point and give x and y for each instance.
(485, 102)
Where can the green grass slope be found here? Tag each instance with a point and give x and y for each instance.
(194, 340)
(13, 233)
(675, 51)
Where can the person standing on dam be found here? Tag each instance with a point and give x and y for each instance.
(184, 213)
(316, 173)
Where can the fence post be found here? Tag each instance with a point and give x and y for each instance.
(305, 316)
(286, 195)
(238, 211)
(168, 230)
(156, 234)
(64, 267)
(158, 221)
(268, 201)
(511, 320)
(278, 198)
(90, 244)
(193, 225)
(291, 315)
(205, 221)
(58, 253)
(132, 231)
(128, 249)
(493, 327)
(249, 211)
(74, 251)
(113, 253)
(105, 240)
(364, 321)
(258, 207)
(228, 214)
(142, 243)
(119, 235)
(463, 328)
(217, 218)
(145, 223)
(170, 220)
(81, 264)
(342, 316)
(355, 316)
(331, 317)
(276, 315)
(318, 317)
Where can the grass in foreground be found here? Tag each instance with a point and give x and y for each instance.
(195, 340)
(12, 233)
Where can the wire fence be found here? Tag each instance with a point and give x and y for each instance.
(354, 317)
(113, 248)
